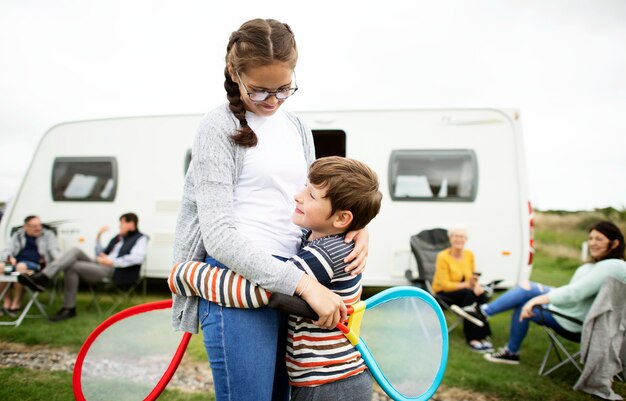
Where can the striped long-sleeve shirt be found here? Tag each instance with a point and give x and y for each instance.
(314, 355)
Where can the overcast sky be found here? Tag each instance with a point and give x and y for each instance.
(561, 63)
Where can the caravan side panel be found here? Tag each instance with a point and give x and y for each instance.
(496, 215)
(150, 155)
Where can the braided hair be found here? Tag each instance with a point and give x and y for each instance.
(256, 43)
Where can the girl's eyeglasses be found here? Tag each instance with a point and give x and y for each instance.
(263, 95)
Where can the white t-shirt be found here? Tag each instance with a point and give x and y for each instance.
(273, 171)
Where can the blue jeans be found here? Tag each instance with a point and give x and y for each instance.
(246, 349)
(29, 265)
(515, 298)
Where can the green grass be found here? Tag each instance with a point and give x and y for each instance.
(25, 384)
(553, 271)
(572, 238)
(470, 371)
(465, 369)
(37, 385)
(71, 333)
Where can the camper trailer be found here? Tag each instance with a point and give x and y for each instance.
(437, 168)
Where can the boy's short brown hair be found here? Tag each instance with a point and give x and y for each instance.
(350, 185)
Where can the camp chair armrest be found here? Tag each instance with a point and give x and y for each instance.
(415, 280)
(541, 309)
(493, 283)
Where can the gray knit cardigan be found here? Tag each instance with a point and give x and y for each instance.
(205, 224)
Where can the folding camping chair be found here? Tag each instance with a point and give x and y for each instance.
(119, 289)
(557, 348)
(11, 279)
(610, 288)
(425, 247)
(57, 281)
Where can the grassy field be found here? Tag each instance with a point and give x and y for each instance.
(558, 237)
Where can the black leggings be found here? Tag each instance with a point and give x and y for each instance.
(465, 297)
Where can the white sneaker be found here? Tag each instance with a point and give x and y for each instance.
(503, 356)
(467, 315)
(487, 346)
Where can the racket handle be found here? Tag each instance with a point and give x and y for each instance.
(292, 305)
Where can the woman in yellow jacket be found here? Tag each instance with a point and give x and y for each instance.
(456, 282)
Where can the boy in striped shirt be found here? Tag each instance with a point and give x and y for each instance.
(341, 195)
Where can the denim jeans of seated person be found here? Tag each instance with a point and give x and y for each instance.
(515, 298)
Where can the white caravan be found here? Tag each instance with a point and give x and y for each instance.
(437, 168)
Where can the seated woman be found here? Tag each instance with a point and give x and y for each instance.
(456, 282)
(606, 249)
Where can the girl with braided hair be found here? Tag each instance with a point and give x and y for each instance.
(248, 159)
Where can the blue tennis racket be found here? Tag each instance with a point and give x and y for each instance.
(402, 336)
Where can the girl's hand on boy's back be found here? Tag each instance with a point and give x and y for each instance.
(328, 305)
(358, 257)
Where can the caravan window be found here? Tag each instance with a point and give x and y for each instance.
(91, 179)
(433, 175)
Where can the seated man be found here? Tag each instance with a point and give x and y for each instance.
(27, 248)
(126, 250)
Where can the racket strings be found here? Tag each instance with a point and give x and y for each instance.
(404, 338)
